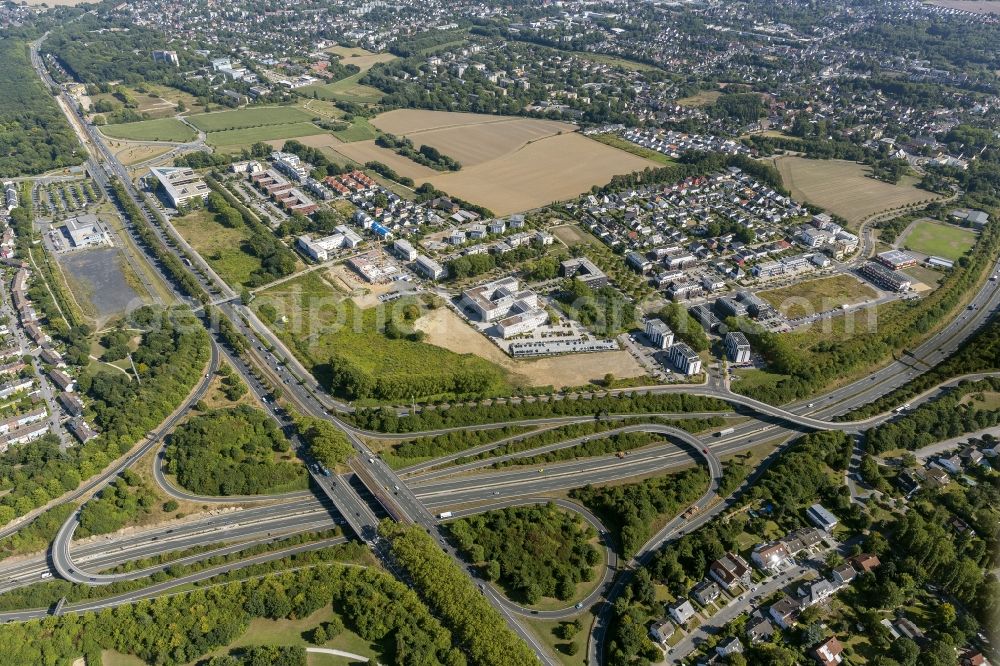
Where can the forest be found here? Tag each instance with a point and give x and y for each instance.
(34, 135)
(324, 441)
(179, 629)
(631, 510)
(531, 551)
(232, 452)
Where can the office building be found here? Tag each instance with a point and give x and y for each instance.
(885, 277)
(585, 270)
(181, 184)
(685, 359)
(659, 333)
(429, 268)
(168, 57)
(83, 231)
(737, 347)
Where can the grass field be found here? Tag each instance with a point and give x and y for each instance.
(616, 141)
(290, 632)
(844, 188)
(510, 164)
(236, 138)
(820, 295)
(359, 130)
(346, 90)
(703, 98)
(942, 240)
(254, 116)
(161, 129)
(360, 57)
(220, 246)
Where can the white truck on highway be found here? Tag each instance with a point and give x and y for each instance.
(444, 514)
(725, 431)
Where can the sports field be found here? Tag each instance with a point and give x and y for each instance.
(844, 188)
(161, 129)
(937, 239)
(821, 295)
(508, 164)
(255, 116)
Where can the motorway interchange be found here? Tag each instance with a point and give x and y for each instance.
(419, 494)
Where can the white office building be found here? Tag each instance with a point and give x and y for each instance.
(659, 333)
(181, 184)
(404, 250)
(429, 268)
(737, 347)
(685, 359)
(321, 249)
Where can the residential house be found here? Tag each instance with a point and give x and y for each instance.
(770, 556)
(844, 574)
(730, 571)
(785, 612)
(706, 592)
(759, 627)
(815, 592)
(681, 611)
(661, 631)
(829, 652)
(731, 645)
(865, 562)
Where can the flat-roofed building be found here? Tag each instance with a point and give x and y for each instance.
(181, 184)
(585, 270)
(737, 347)
(429, 268)
(320, 249)
(685, 359)
(896, 259)
(885, 277)
(659, 333)
(404, 250)
(84, 231)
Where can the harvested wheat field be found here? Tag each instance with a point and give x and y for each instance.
(366, 151)
(363, 58)
(845, 188)
(470, 138)
(551, 169)
(446, 329)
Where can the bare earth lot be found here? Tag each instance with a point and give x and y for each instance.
(358, 56)
(446, 329)
(812, 296)
(96, 276)
(844, 188)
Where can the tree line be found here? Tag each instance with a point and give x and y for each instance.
(387, 420)
(476, 626)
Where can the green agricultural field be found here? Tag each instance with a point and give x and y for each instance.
(941, 240)
(254, 116)
(346, 90)
(221, 246)
(237, 138)
(616, 141)
(321, 324)
(161, 129)
(359, 130)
